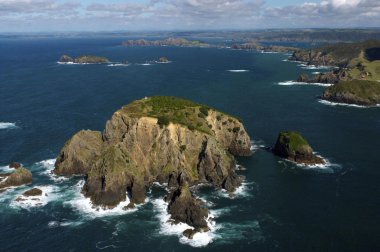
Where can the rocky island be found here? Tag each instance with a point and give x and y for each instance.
(162, 139)
(21, 176)
(178, 42)
(293, 146)
(85, 59)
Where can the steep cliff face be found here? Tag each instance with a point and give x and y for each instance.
(162, 139)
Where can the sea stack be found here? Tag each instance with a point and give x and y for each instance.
(292, 146)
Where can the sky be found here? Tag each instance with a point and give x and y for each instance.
(156, 15)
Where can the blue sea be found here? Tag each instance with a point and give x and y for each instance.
(280, 207)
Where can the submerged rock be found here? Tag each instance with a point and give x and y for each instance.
(21, 176)
(184, 207)
(291, 145)
(163, 139)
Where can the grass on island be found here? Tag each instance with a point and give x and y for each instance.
(171, 109)
(368, 90)
(294, 139)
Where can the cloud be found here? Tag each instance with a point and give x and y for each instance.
(185, 14)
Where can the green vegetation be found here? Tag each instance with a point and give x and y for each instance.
(171, 109)
(294, 139)
(90, 59)
(356, 91)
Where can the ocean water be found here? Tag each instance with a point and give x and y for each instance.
(280, 207)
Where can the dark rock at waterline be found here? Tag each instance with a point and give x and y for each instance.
(189, 233)
(291, 145)
(303, 78)
(33, 192)
(184, 207)
(14, 165)
(66, 59)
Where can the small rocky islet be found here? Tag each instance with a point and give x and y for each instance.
(85, 59)
(292, 146)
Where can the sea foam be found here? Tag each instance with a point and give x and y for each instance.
(7, 125)
(49, 193)
(84, 205)
(329, 103)
(238, 70)
(293, 83)
(48, 167)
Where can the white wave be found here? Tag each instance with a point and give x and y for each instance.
(158, 62)
(145, 64)
(238, 70)
(73, 63)
(48, 166)
(6, 169)
(49, 193)
(256, 145)
(316, 73)
(314, 67)
(292, 83)
(118, 65)
(327, 167)
(84, 205)
(344, 104)
(242, 191)
(268, 52)
(169, 228)
(7, 125)
(65, 223)
(240, 167)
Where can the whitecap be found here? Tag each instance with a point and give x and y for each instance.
(243, 191)
(64, 223)
(292, 83)
(49, 193)
(344, 104)
(238, 70)
(327, 167)
(6, 169)
(7, 125)
(48, 167)
(316, 73)
(257, 145)
(118, 65)
(84, 205)
(268, 52)
(145, 64)
(169, 228)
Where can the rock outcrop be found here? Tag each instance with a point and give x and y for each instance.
(163, 60)
(292, 146)
(14, 165)
(332, 77)
(85, 59)
(33, 192)
(164, 139)
(184, 207)
(359, 92)
(21, 176)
